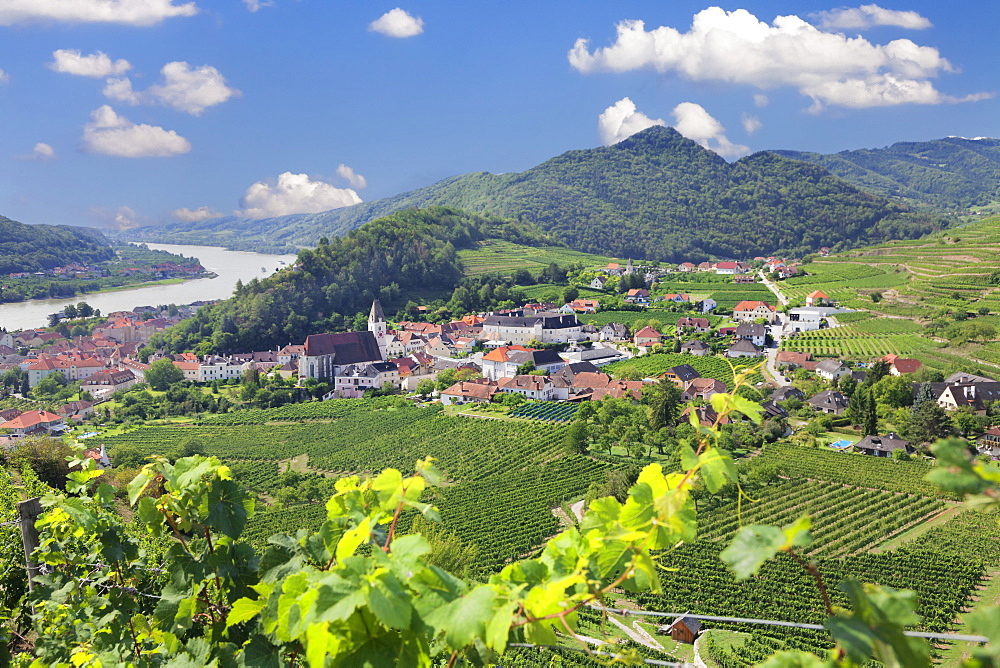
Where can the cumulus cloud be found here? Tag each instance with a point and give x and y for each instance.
(760, 100)
(127, 12)
(293, 193)
(869, 16)
(622, 120)
(254, 5)
(750, 123)
(41, 153)
(692, 121)
(736, 47)
(4, 77)
(185, 88)
(194, 215)
(108, 133)
(397, 23)
(354, 179)
(97, 65)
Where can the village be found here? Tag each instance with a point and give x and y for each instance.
(537, 352)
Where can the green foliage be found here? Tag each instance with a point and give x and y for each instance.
(162, 373)
(30, 248)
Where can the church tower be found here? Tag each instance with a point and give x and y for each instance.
(376, 325)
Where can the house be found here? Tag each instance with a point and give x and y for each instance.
(681, 374)
(900, 365)
(706, 266)
(355, 379)
(786, 393)
(744, 348)
(816, 298)
(647, 337)
(804, 319)
(791, 358)
(469, 391)
(748, 311)
(548, 361)
(882, 446)
(613, 331)
(541, 388)
(544, 328)
(706, 305)
(599, 282)
(699, 348)
(753, 332)
(614, 269)
(580, 306)
(829, 401)
(832, 369)
(773, 410)
(637, 296)
(702, 388)
(707, 417)
(699, 325)
(686, 267)
(76, 410)
(35, 422)
(683, 629)
(498, 364)
(976, 396)
(573, 369)
(682, 298)
(989, 442)
(744, 278)
(730, 268)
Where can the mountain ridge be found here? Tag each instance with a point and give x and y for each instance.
(656, 194)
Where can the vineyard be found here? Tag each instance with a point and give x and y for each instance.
(505, 476)
(798, 463)
(550, 411)
(503, 257)
(846, 519)
(709, 366)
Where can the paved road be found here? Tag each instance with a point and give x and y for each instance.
(774, 288)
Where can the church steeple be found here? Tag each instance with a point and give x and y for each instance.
(377, 326)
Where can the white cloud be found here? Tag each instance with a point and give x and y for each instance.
(869, 16)
(735, 47)
(108, 133)
(760, 100)
(184, 88)
(127, 12)
(4, 77)
(397, 23)
(195, 215)
(622, 120)
(254, 5)
(751, 123)
(692, 121)
(125, 217)
(41, 153)
(97, 65)
(354, 179)
(293, 193)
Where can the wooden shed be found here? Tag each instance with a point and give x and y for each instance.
(684, 629)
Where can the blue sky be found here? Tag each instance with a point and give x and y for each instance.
(124, 112)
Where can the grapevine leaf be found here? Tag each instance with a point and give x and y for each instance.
(717, 467)
(466, 618)
(243, 610)
(498, 629)
(352, 538)
(749, 408)
(853, 635)
(139, 484)
(77, 481)
(430, 473)
(390, 602)
(228, 508)
(259, 653)
(797, 533)
(317, 639)
(751, 547)
(389, 485)
(688, 457)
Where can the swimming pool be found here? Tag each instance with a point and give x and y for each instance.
(842, 444)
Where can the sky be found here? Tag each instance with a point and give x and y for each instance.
(116, 113)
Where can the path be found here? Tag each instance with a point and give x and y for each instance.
(577, 509)
(774, 288)
(637, 633)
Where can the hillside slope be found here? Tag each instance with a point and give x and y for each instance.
(37, 247)
(950, 173)
(655, 195)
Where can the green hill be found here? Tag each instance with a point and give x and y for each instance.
(950, 173)
(39, 247)
(656, 195)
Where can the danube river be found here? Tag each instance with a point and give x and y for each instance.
(231, 266)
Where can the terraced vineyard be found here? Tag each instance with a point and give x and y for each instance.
(727, 294)
(551, 411)
(504, 476)
(504, 257)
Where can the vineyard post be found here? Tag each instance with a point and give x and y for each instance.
(27, 511)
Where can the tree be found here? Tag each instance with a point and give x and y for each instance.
(84, 310)
(928, 423)
(162, 373)
(69, 311)
(577, 437)
(964, 421)
(425, 387)
(664, 405)
(877, 371)
(570, 293)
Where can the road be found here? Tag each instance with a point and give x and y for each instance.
(774, 288)
(772, 352)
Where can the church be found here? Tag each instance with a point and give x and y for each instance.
(325, 356)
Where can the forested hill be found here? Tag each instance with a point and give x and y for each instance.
(407, 255)
(655, 195)
(950, 173)
(38, 247)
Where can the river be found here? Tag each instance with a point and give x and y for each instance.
(231, 266)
